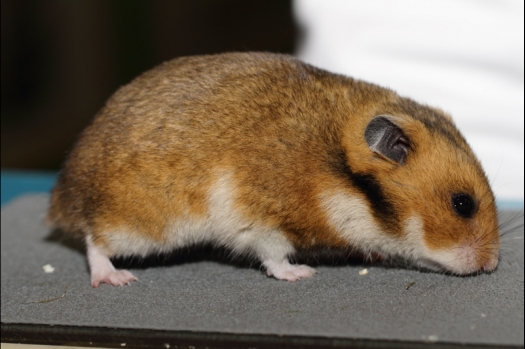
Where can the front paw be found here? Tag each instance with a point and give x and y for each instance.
(289, 272)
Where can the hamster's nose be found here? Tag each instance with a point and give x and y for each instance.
(490, 265)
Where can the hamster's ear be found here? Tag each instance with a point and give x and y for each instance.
(388, 139)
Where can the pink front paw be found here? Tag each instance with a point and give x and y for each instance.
(289, 272)
(114, 277)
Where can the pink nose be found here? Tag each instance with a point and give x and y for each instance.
(490, 265)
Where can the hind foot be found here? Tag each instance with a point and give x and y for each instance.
(102, 270)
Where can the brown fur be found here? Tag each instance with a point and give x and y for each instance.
(286, 130)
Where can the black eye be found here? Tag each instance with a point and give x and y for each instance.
(463, 205)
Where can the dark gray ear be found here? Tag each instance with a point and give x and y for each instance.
(388, 139)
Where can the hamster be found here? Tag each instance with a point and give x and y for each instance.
(267, 156)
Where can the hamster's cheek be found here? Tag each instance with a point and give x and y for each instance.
(351, 218)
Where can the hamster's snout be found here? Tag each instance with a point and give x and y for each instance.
(479, 255)
(490, 265)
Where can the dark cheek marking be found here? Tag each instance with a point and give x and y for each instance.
(382, 207)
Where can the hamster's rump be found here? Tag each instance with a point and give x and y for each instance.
(267, 155)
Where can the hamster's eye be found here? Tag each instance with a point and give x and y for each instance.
(463, 205)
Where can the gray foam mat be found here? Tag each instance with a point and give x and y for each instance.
(207, 295)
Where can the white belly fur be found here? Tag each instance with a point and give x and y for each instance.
(223, 226)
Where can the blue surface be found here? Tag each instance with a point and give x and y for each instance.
(510, 205)
(18, 182)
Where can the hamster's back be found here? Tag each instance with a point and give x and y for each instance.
(154, 149)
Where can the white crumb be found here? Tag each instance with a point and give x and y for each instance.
(432, 338)
(363, 271)
(48, 268)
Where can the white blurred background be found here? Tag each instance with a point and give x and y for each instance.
(464, 56)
